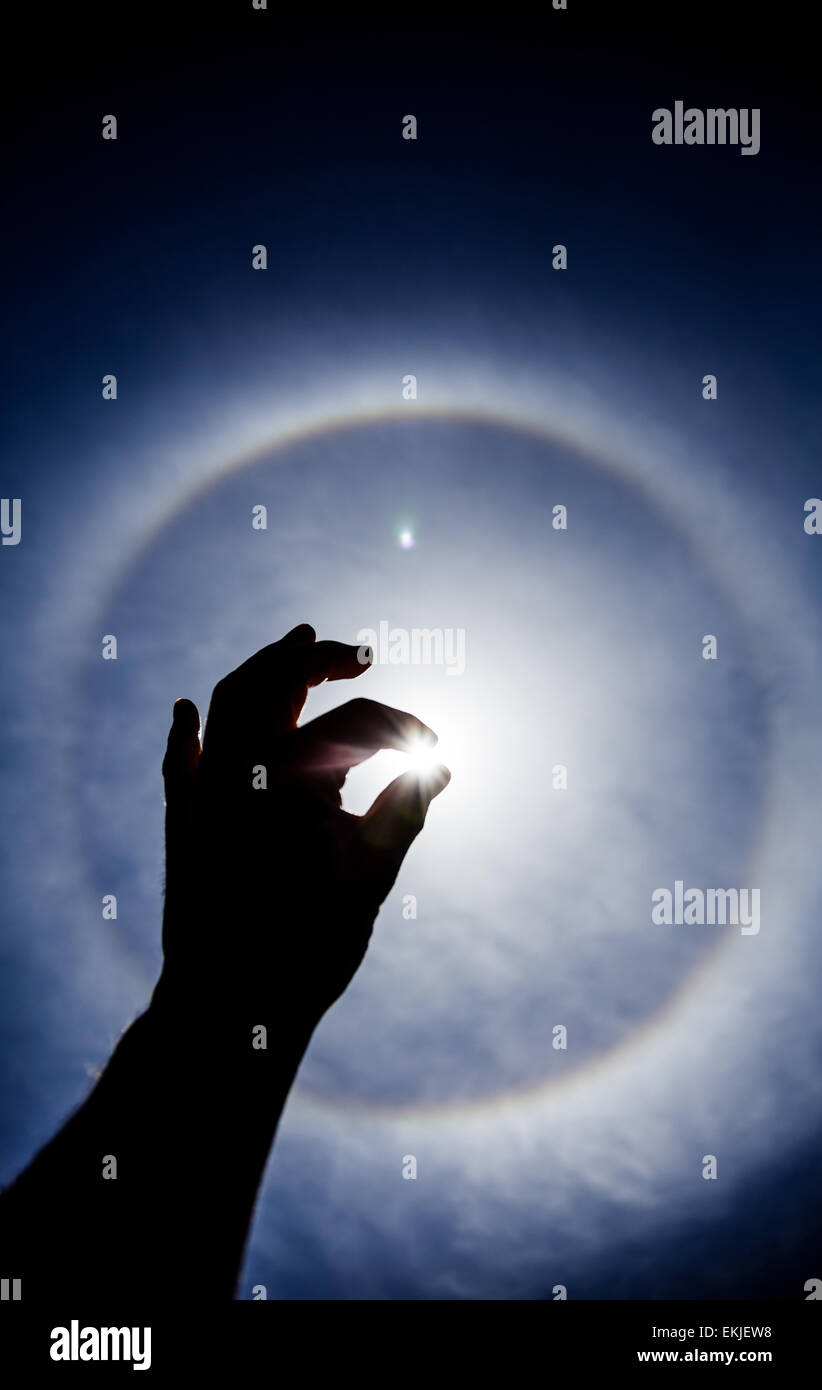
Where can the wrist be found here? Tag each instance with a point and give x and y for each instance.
(241, 1041)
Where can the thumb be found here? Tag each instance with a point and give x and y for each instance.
(182, 750)
(397, 816)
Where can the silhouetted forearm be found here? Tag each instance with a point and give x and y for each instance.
(187, 1108)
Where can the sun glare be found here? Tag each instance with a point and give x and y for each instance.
(422, 756)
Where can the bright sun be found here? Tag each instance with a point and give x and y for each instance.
(462, 728)
(421, 756)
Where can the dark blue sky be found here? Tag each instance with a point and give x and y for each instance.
(535, 387)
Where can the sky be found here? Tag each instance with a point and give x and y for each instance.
(537, 1167)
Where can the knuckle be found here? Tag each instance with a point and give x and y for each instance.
(361, 705)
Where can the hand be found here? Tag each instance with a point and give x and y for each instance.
(272, 890)
(271, 895)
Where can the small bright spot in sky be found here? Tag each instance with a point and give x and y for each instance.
(406, 539)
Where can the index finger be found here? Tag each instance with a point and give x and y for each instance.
(347, 735)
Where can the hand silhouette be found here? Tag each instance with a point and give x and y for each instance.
(271, 887)
(271, 894)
